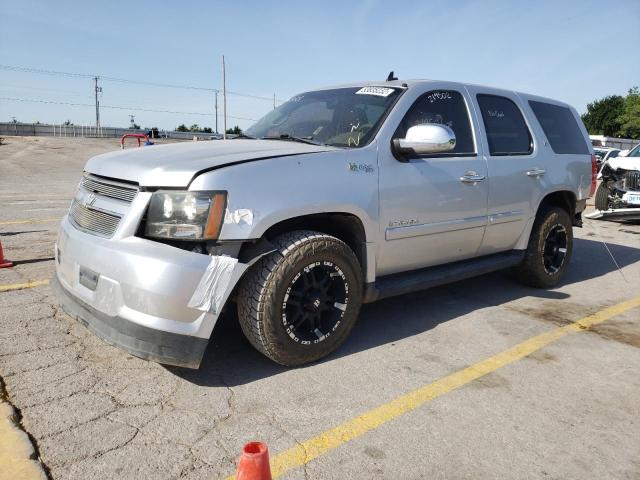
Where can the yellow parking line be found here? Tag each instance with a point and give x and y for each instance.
(22, 286)
(313, 448)
(33, 220)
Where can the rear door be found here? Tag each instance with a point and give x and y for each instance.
(515, 168)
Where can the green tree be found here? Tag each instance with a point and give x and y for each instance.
(629, 119)
(235, 130)
(135, 126)
(182, 128)
(195, 127)
(207, 130)
(602, 117)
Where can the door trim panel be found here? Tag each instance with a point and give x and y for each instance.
(506, 217)
(396, 233)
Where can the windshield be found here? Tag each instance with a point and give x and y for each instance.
(342, 117)
(635, 152)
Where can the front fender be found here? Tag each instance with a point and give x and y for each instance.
(265, 192)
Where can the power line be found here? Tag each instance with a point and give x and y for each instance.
(107, 78)
(14, 68)
(270, 99)
(154, 84)
(118, 107)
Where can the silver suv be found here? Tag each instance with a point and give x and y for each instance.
(339, 196)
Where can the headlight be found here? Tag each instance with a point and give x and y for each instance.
(185, 215)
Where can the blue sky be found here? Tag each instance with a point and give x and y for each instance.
(575, 51)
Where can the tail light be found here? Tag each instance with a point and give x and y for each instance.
(594, 175)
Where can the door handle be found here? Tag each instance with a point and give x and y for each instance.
(472, 177)
(536, 172)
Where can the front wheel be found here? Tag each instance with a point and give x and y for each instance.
(299, 303)
(602, 198)
(549, 250)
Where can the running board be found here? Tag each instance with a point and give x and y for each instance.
(415, 280)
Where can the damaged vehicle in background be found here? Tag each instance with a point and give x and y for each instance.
(618, 195)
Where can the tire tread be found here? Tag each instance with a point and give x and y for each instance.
(257, 290)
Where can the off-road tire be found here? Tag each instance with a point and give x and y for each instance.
(532, 271)
(262, 292)
(602, 198)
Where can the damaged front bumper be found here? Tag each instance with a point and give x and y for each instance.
(615, 214)
(153, 300)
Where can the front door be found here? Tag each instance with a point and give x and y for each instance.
(433, 208)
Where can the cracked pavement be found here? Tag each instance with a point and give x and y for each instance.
(569, 411)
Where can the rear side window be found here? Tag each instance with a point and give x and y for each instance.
(560, 127)
(444, 107)
(507, 132)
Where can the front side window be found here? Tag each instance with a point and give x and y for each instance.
(560, 127)
(444, 107)
(342, 117)
(507, 132)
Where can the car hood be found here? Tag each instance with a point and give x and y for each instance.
(625, 163)
(176, 164)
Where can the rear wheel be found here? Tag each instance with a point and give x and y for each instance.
(602, 198)
(300, 302)
(549, 250)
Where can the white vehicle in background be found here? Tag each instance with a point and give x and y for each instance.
(618, 195)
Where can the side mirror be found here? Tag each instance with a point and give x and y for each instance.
(425, 139)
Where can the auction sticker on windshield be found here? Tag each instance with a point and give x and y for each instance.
(377, 91)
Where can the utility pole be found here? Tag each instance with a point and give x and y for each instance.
(224, 99)
(132, 120)
(216, 111)
(97, 90)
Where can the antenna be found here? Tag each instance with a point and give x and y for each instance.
(391, 77)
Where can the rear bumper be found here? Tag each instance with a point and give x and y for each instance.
(144, 342)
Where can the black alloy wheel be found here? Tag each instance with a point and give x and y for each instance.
(555, 249)
(315, 302)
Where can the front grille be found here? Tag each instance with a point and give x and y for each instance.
(632, 181)
(92, 220)
(109, 188)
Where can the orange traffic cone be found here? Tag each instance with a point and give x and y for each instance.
(3, 262)
(254, 462)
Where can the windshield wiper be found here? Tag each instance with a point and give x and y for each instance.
(286, 136)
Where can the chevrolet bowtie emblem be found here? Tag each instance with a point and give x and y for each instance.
(89, 200)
